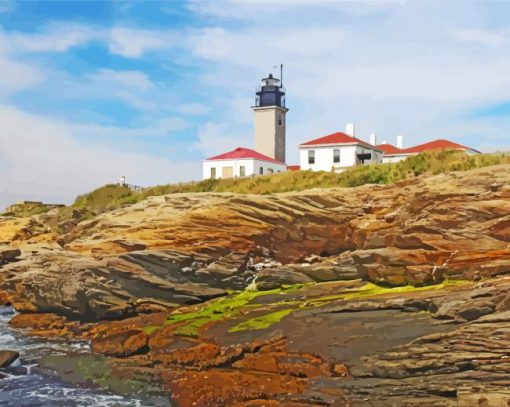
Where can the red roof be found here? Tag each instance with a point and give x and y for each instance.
(435, 145)
(337, 138)
(390, 149)
(240, 153)
(293, 167)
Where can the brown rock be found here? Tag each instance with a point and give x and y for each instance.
(476, 309)
(199, 355)
(275, 278)
(340, 370)
(225, 388)
(37, 321)
(4, 298)
(122, 344)
(263, 362)
(161, 340)
(7, 357)
(8, 254)
(130, 246)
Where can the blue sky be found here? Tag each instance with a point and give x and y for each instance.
(93, 90)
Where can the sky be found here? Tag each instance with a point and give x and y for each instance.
(94, 90)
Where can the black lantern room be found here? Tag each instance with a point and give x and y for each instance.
(271, 93)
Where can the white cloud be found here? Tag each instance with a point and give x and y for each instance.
(194, 109)
(481, 37)
(329, 64)
(159, 128)
(298, 11)
(215, 138)
(133, 43)
(40, 159)
(474, 83)
(57, 38)
(213, 43)
(15, 76)
(134, 79)
(134, 88)
(6, 6)
(312, 43)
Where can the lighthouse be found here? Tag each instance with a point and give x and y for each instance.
(270, 118)
(268, 157)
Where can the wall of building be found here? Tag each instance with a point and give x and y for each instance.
(324, 157)
(252, 167)
(270, 124)
(397, 158)
(393, 158)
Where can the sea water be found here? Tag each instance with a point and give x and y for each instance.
(26, 385)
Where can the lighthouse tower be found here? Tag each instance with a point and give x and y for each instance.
(270, 119)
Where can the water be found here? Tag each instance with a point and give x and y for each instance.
(26, 385)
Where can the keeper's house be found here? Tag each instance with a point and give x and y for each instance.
(393, 154)
(337, 151)
(241, 162)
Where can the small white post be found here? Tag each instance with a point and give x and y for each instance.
(349, 129)
(400, 141)
(373, 139)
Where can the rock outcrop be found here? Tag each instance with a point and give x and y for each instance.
(186, 248)
(165, 269)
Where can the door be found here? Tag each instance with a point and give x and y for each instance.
(227, 172)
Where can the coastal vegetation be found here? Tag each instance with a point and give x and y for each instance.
(428, 163)
(114, 196)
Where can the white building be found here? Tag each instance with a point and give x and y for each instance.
(337, 151)
(241, 162)
(393, 154)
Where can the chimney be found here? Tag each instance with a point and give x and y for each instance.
(400, 141)
(373, 139)
(384, 142)
(349, 129)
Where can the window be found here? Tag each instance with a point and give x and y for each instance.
(242, 171)
(261, 170)
(270, 171)
(213, 172)
(336, 155)
(280, 121)
(311, 156)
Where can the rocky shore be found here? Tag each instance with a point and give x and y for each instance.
(377, 295)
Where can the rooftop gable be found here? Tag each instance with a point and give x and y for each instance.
(337, 138)
(390, 149)
(436, 145)
(244, 153)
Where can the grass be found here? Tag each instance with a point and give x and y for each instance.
(22, 210)
(433, 162)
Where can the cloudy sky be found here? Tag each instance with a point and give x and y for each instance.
(93, 90)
